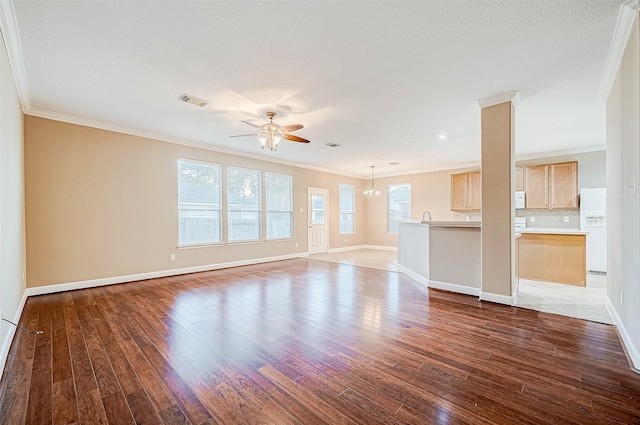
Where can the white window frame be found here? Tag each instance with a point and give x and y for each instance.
(351, 212)
(281, 211)
(390, 213)
(257, 212)
(184, 207)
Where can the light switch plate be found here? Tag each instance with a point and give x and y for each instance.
(566, 218)
(632, 186)
(533, 219)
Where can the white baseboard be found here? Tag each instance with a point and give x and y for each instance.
(632, 350)
(355, 247)
(60, 287)
(497, 298)
(454, 287)
(413, 275)
(6, 344)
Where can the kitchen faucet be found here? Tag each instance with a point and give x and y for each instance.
(426, 212)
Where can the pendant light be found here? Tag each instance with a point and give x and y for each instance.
(372, 190)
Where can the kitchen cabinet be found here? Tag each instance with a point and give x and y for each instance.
(564, 185)
(551, 186)
(519, 177)
(466, 191)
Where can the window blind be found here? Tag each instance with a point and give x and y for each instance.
(347, 208)
(279, 194)
(199, 204)
(244, 205)
(398, 205)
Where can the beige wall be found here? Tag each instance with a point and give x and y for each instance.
(429, 191)
(101, 204)
(12, 242)
(109, 200)
(498, 165)
(623, 165)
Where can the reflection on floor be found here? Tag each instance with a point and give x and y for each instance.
(372, 258)
(573, 301)
(580, 302)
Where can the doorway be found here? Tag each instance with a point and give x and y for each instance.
(318, 239)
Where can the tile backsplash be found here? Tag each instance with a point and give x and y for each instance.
(551, 218)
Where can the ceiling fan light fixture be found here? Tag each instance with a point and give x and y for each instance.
(263, 140)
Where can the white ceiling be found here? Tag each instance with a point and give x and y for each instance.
(382, 79)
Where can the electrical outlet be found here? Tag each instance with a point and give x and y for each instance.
(296, 244)
(533, 219)
(403, 255)
(621, 297)
(566, 218)
(173, 257)
(301, 210)
(345, 240)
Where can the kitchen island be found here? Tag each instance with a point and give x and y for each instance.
(553, 255)
(441, 254)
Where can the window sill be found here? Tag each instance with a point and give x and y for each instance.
(200, 245)
(278, 240)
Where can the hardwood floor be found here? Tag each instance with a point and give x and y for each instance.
(307, 342)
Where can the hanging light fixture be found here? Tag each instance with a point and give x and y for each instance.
(372, 190)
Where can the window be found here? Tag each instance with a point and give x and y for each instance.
(347, 208)
(398, 205)
(244, 218)
(279, 205)
(199, 206)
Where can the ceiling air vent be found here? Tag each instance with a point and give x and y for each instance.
(332, 145)
(394, 163)
(193, 100)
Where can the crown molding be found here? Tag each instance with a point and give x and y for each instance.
(11, 37)
(86, 122)
(627, 17)
(510, 96)
(551, 154)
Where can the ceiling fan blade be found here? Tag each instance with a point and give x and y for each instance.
(245, 135)
(293, 127)
(293, 138)
(250, 123)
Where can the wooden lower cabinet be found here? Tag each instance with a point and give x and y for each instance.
(556, 258)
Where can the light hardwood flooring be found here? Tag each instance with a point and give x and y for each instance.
(580, 302)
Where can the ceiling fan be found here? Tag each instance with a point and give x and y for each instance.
(271, 134)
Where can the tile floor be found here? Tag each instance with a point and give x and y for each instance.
(574, 301)
(372, 258)
(581, 302)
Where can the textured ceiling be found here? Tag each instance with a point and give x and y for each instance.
(382, 79)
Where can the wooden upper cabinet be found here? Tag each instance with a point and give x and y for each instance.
(466, 191)
(459, 192)
(474, 186)
(536, 187)
(551, 186)
(519, 177)
(564, 185)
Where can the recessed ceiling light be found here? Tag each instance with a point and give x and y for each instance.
(394, 163)
(442, 136)
(332, 145)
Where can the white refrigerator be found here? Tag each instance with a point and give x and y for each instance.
(593, 219)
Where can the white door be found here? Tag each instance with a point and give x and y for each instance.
(318, 220)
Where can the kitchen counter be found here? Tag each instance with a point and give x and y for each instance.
(443, 223)
(453, 223)
(552, 231)
(441, 254)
